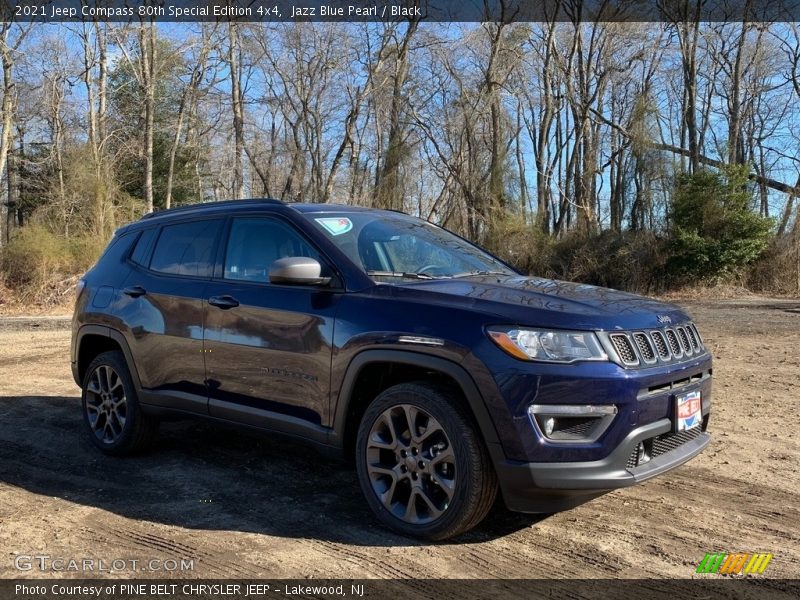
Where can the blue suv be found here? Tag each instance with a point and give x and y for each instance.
(447, 376)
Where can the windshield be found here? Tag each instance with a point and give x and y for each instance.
(399, 246)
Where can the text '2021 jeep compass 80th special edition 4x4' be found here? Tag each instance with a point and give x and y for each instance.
(444, 373)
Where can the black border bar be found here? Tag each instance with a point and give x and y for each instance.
(59, 11)
(707, 587)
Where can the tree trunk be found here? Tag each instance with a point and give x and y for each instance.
(237, 101)
(388, 192)
(102, 83)
(187, 100)
(8, 120)
(147, 40)
(688, 28)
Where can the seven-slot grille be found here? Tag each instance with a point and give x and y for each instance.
(670, 344)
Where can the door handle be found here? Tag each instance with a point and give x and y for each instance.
(134, 291)
(223, 302)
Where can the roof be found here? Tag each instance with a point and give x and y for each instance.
(314, 208)
(214, 206)
(228, 206)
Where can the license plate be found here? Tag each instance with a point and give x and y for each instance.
(688, 410)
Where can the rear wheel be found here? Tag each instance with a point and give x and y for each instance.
(111, 412)
(422, 464)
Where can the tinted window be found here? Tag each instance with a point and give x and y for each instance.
(255, 243)
(142, 249)
(396, 246)
(117, 248)
(186, 248)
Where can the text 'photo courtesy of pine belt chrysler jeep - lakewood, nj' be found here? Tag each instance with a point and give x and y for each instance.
(444, 375)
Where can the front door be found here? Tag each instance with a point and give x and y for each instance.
(267, 347)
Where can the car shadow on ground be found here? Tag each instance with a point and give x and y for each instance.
(202, 477)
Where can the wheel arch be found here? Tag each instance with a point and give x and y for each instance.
(372, 371)
(92, 341)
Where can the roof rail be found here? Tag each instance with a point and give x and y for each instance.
(218, 203)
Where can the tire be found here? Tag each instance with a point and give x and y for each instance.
(112, 415)
(435, 484)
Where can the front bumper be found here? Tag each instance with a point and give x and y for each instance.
(551, 487)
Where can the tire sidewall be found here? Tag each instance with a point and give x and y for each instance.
(458, 433)
(116, 361)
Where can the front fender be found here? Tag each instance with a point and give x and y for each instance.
(418, 359)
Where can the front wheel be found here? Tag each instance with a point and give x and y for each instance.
(422, 464)
(111, 412)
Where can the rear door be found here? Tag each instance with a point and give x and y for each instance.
(267, 346)
(163, 311)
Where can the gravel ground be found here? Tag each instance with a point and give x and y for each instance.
(245, 506)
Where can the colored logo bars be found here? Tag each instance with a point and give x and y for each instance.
(733, 564)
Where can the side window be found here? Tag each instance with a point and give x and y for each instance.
(255, 243)
(186, 248)
(142, 248)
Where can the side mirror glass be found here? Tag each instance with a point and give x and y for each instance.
(297, 270)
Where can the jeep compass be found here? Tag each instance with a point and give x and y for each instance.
(445, 375)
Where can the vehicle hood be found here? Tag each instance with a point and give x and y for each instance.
(533, 301)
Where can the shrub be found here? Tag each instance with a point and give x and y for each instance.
(778, 269)
(629, 260)
(42, 267)
(520, 244)
(714, 231)
(33, 256)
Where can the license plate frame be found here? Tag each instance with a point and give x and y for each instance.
(688, 410)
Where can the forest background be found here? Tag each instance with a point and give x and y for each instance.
(641, 156)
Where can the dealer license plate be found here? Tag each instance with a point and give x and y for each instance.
(688, 410)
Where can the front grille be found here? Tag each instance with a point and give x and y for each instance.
(661, 444)
(654, 346)
(645, 347)
(670, 441)
(624, 348)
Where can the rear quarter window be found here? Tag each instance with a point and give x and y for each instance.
(117, 248)
(141, 251)
(186, 248)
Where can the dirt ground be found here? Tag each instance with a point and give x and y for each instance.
(241, 506)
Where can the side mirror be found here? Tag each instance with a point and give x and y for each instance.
(297, 270)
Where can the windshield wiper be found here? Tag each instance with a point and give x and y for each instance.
(396, 274)
(473, 273)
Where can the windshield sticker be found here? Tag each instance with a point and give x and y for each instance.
(336, 225)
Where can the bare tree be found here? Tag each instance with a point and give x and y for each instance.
(11, 38)
(388, 189)
(237, 106)
(187, 101)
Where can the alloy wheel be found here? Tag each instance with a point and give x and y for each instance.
(106, 404)
(411, 464)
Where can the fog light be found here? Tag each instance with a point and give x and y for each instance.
(573, 422)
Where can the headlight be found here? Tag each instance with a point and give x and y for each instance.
(550, 346)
